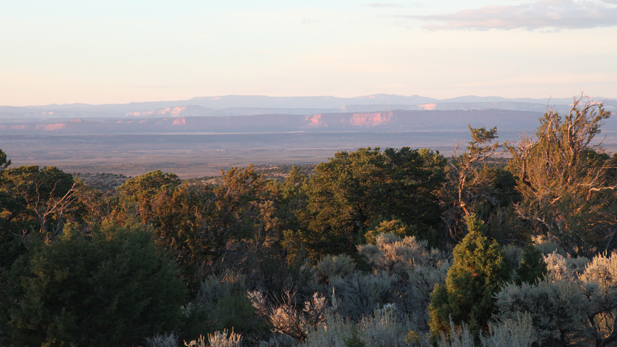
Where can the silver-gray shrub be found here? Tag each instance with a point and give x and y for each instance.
(214, 287)
(359, 294)
(414, 269)
(414, 294)
(383, 328)
(517, 332)
(460, 336)
(278, 340)
(559, 310)
(562, 268)
(397, 256)
(334, 266)
(548, 245)
(163, 340)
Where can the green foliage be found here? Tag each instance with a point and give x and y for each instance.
(395, 227)
(148, 184)
(291, 199)
(4, 161)
(114, 288)
(355, 189)
(139, 195)
(532, 267)
(39, 198)
(221, 304)
(477, 273)
(202, 225)
(354, 340)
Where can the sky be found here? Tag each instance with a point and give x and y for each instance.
(112, 51)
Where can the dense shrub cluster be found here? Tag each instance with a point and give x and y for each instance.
(394, 247)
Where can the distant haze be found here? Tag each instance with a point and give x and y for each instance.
(108, 52)
(199, 136)
(248, 105)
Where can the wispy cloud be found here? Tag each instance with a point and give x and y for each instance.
(381, 5)
(543, 14)
(309, 21)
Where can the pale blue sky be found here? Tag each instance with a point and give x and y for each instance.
(123, 51)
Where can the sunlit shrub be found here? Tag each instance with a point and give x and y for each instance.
(394, 227)
(600, 281)
(561, 268)
(397, 256)
(459, 336)
(217, 339)
(285, 317)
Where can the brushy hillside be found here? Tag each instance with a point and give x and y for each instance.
(375, 247)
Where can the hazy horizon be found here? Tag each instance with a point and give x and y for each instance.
(359, 98)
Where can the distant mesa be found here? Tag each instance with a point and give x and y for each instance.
(173, 111)
(370, 119)
(315, 121)
(428, 107)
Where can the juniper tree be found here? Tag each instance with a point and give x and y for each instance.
(478, 271)
(113, 288)
(532, 267)
(354, 189)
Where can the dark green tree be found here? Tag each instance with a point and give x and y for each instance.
(355, 189)
(111, 289)
(532, 267)
(477, 273)
(4, 161)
